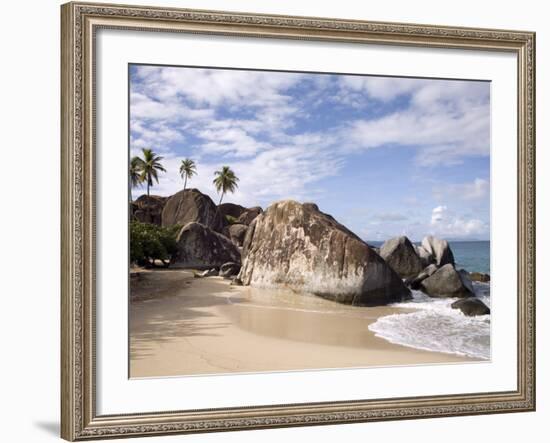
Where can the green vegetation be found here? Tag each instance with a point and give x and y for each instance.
(150, 242)
(188, 169)
(225, 181)
(230, 219)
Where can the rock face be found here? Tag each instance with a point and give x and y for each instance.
(471, 306)
(478, 276)
(400, 254)
(426, 258)
(446, 282)
(415, 282)
(296, 246)
(466, 281)
(439, 250)
(231, 209)
(148, 209)
(249, 215)
(198, 246)
(192, 206)
(237, 233)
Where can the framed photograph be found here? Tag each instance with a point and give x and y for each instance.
(277, 221)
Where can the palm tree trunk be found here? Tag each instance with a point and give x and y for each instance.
(221, 196)
(185, 183)
(147, 203)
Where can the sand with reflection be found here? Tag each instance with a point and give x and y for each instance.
(185, 326)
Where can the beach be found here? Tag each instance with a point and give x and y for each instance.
(181, 325)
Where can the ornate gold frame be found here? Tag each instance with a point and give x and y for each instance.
(79, 23)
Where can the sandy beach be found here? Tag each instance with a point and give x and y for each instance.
(180, 325)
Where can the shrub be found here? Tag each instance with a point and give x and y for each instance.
(150, 242)
(230, 219)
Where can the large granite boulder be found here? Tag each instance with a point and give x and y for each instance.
(415, 282)
(148, 209)
(471, 306)
(400, 254)
(198, 246)
(189, 206)
(237, 233)
(425, 257)
(296, 246)
(231, 209)
(439, 250)
(249, 215)
(447, 282)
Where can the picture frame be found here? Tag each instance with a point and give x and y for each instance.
(80, 23)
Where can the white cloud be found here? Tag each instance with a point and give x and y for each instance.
(446, 224)
(446, 121)
(380, 88)
(214, 87)
(145, 107)
(252, 121)
(442, 137)
(476, 190)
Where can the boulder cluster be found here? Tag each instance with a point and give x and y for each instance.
(430, 268)
(296, 246)
(211, 236)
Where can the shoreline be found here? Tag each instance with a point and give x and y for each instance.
(180, 325)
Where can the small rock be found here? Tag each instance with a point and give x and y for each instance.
(207, 273)
(479, 276)
(471, 306)
(229, 269)
(236, 281)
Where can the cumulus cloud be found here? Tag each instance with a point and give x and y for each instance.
(445, 223)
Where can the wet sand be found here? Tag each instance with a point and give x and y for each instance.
(180, 325)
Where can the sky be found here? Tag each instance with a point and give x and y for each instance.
(385, 156)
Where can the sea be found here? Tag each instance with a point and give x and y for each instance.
(434, 325)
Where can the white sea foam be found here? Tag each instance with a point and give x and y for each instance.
(435, 326)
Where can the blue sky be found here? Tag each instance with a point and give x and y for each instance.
(385, 156)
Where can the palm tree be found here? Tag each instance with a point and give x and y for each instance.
(135, 172)
(149, 166)
(135, 177)
(225, 181)
(187, 170)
